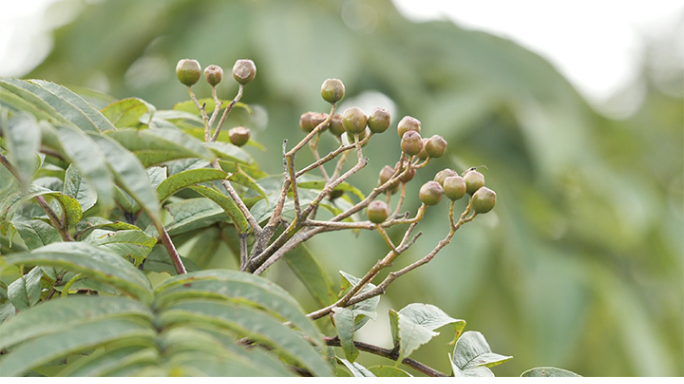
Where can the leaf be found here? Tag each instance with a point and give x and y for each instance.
(472, 351)
(89, 223)
(548, 372)
(156, 146)
(17, 103)
(185, 179)
(156, 175)
(25, 291)
(356, 369)
(11, 203)
(22, 138)
(127, 243)
(227, 151)
(77, 187)
(344, 323)
(195, 213)
(158, 260)
(244, 179)
(111, 360)
(365, 308)
(320, 184)
(227, 204)
(44, 349)
(127, 112)
(7, 311)
(93, 262)
(316, 280)
(36, 233)
(388, 371)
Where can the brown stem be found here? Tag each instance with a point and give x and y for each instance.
(226, 112)
(170, 248)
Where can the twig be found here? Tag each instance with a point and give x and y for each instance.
(170, 248)
(226, 112)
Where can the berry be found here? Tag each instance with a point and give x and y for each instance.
(239, 136)
(443, 174)
(332, 90)
(431, 193)
(436, 146)
(377, 211)
(188, 72)
(305, 122)
(335, 193)
(354, 120)
(474, 180)
(454, 187)
(386, 174)
(213, 74)
(244, 71)
(362, 136)
(406, 124)
(484, 200)
(408, 176)
(317, 119)
(379, 120)
(336, 126)
(423, 153)
(411, 143)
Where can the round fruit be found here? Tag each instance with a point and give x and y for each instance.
(436, 146)
(423, 154)
(332, 90)
(354, 120)
(305, 122)
(188, 72)
(239, 136)
(317, 119)
(213, 74)
(244, 71)
(336, 126)
(431, 193)
(484, 200)
(474, 180)
(411, 143)
(335, 193)
(406, 124)
(408, 176)
(443, 174)
(377, 211)
(454, 187)
(379, 120)
(362, 136)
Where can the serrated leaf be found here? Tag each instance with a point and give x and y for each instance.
(548, 372)
(93, 262)
(356, 369)
(344, 323)
(36, 233)
(22, 139)
(185, 179)
(472, 351)
(156, 146)
(316, 280)
(25, 291)
(127, 112)
(388, 371)
(78, 187)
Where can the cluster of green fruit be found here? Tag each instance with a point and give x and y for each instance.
(189, 72)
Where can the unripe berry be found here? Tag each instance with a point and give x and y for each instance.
(423, 154)
(336, 126)
(408, 176)
(436, 146)
(379, 120)
(386, 174)
(354, 120)
(406, 124)
(213, 74)
(411, 143)
(244, 71)
(484, 200)
(332, 90)
(239, 136)
(474, 180)
(317, 119)
(431, 193)
(454, 187)
(377, 211)
(362, 136)
(188, 72)
(443, 174)
(335, 193)
(305, 122)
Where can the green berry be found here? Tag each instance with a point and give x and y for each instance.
(411, 143)
(443, 174)
(406, 124)
(335, 193)
(377, 211)
(423, 153)
(332, 90)
(484, 200)
(336, 126)
(379, 120)
(474, 180)
(431, 193)
(239, 136)
(354, 120)
(362, 136)
(244, 71)
(213, 74)
(188, 72)
(454, 187)
(436, 146)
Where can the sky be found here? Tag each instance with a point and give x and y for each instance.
(596, 44)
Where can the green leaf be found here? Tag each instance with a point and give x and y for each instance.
(388, 371)
(7, 311)
(17, 103)
(227, 151)
(548, 372)
(94, 222)
(356, 369)
(344, 323)
(185, 179)
(22, 138)
(227, 204)
(158, 260)
(93, 262)
(44, 349)
(472, 351)
(320, 184)
(316, 280)
(77, 187)
(127, 243)
(156, 146)
(25, 291)
(36, 233)
(156, 175)
(244, 179)
(195, 213)
(127, 112)
(105, 362)
(364, 310)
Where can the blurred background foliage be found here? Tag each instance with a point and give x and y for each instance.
(580, 264)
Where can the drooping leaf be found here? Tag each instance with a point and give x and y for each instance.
(36, 233)
(356, 369)
(127, 112)
(7, 311)
(364, 310)
(12, 202)
(17, 103)
(22, 139)
(344, 323)
(316, 280)
(79, 188)
(548, 372)
(185, 179)
(227, 204)
(472, 352)
(25, 291)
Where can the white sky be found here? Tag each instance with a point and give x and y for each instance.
(596, 44)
